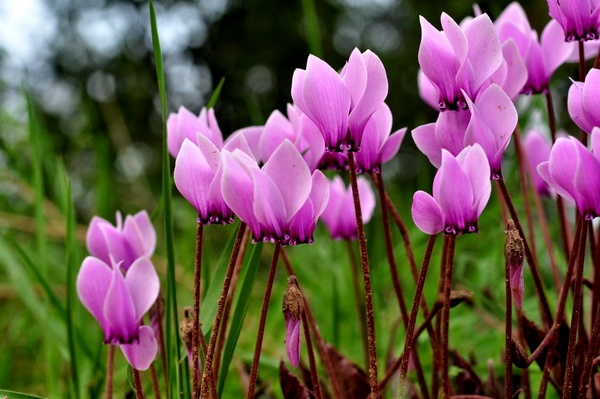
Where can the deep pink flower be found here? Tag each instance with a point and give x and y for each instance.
(119, 302)
(461, 189)
(338, 216)
(124, 242)
(574, 172)
(490, 123)
(197, 175)
(459, 59)
(184, 125)
(340, 105)
(579, 18)
(584, 101)
(537, 150)
(280, 201)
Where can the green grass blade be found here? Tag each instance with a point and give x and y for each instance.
(311, 24)
(216, 94)
(208, 309)
(173, 346)
(247, 277)
(17, 395)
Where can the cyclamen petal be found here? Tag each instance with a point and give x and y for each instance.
(141, 354)
(578, 18)
(185, 124)
(143, 285)
(119, 311)
(92, 285)
(426, 213)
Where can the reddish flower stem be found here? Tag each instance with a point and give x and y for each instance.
(321, 344)
(408, 342)
(155, 385)
(535, 273)
(207, 375)
(508, 390)
(110, 366)
(311, 358)
(195, 331)
(137, 381)
(576, 315)
(360, 306)
(261, 324)
(362, 241)
(589, 357)
(447, 277)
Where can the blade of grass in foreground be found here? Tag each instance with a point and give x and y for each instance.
(173, 346)
(216, 94)
(311, 24)
(17, 395)
(247, 277)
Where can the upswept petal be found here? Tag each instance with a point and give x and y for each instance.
(214, 133)
(514, 14)
(92, 285)
(146, 230)
(291, 175)
(119, 311)
(537, 150)
(332, 215)
(326, 100)
(591, 96)
(367, 198)
(563, 164)
(269, 208)
(141, 354)
(595, 139)
(118, 248)
(173, 141)
(210, 152)
(372, 98)
(516, 70)
(143, 285)
(302, 225)
(485, 51)
(355, 76)
(453, 192)
(426, 141)
(297, 84)
(428, 91)
(575, 107)
(245, 140)
(95, 240)
(392, 145)
(367, 158)
(319, 193)
(315, 145)
(450, 130)
(193, 176)
(439, 63)
(277, 128)
(556, 50)
(475, 165)
(426, 213)
(587, 182)
(456, 37)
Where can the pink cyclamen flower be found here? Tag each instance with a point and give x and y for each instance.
(197, 175)
(574, 172)
(578, 18)
(542, 56)
(185, 124)
(537, 150)
(280, 201)
(119, 302)
(338, 216)
(124, 242)
(459, 59)
(490, 123)
(584, 101)
(341, 104)
(461, 189)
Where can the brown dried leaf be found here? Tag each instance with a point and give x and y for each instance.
(353, 379)
(291, 386)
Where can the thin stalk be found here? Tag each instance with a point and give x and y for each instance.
(137, 380)
(589, 357)
(229, 303)
(564, 292)
(446, 384)
(523, 183)
(110, 364)
(261, 324)
(362, 241)
(508, 390)
(525, 384)
(360, 306)
(196, 330)
(321, 344)
(161, 341)
(155, 385)
(582, 66)
(535, 273)
(396, 280)
(435, 378)
(596, 263)
(207, 375)
(311, 358)
(575, 318)
(564, 226)
(408, 342)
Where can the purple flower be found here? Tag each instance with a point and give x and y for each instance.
(341, 104)
(198, 175)
(537, 150)
(280, 201)
(459, 59)
(461, 189)
(119, 302)
(124, 242)
(574, 172)
(579, 18)
(184, 125)
(339, 214)
(584, 101)
(491, 121)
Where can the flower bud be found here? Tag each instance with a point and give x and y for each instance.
(514, 257)
(293, 307)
